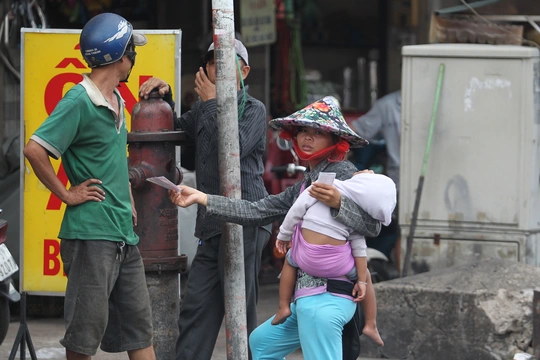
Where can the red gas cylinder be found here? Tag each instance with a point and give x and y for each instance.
(151, 147)
(152, 114)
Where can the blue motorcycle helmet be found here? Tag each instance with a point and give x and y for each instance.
(106, 38)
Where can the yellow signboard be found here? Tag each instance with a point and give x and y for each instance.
(51, 63)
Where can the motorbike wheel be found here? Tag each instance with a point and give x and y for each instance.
(379, 271)
(4, 318)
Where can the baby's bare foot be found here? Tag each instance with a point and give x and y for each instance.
(373, 335)
(281, 315)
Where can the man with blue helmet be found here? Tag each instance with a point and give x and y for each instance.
(106, 298)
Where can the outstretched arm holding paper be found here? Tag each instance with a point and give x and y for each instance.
(164, 182)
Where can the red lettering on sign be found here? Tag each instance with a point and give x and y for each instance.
(143, 78)
(128, 97)
(51, 260)
(65, 63)
(55, 89)
(54, 201)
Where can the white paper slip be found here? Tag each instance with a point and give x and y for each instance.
(164, 182)
(326, 178)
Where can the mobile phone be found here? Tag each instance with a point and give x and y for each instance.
(326, 178)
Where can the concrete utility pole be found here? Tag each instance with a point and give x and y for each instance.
(229, 172)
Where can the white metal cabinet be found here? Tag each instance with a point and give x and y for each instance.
(483, 174)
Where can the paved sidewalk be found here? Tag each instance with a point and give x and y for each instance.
(45, 333)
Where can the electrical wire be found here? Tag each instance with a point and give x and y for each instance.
(5, 60)
(40, 13)
(525, 41)
(14, 13)
(10, 67)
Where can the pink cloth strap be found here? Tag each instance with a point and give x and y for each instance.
(303, 187)
(327, 261)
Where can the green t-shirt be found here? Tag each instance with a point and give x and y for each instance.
(85, 131)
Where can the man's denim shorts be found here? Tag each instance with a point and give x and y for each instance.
(106, 299)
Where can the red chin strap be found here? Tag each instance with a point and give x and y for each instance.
(334, 153)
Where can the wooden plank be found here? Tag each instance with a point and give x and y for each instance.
(471, 30)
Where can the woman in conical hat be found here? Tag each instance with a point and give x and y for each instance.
(321, 137)
(323, 115)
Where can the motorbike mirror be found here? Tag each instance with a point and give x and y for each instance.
(283, 144)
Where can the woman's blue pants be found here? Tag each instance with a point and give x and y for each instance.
(316, 325)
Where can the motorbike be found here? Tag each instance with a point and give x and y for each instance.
(379, 266)
(8, 293)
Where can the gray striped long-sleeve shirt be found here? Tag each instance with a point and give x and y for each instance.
(274, 207)
(201, 126)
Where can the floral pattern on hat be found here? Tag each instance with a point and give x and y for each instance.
(323, 114)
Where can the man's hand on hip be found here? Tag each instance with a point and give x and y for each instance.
(85, 192)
